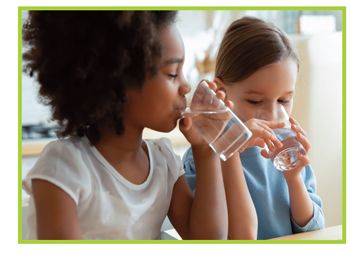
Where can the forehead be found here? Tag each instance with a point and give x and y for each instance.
(279, 77)
(172, 44)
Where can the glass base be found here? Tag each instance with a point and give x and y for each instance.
(287, 159)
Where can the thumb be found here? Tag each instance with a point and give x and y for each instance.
(302, 162)
(273, 124)
(185, 124)
(265, 154)
(229, 104)
(260, 143)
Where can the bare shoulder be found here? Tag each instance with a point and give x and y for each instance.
(56, 212)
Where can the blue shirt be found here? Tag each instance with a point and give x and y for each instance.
(269, 192)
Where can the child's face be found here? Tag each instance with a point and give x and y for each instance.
(269, 86)
(159, 103)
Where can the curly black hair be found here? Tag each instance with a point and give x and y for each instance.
(85, 60)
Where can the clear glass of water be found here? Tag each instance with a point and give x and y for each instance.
(286, 157)
(216, 123)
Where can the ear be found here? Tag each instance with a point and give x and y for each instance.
(220, 84)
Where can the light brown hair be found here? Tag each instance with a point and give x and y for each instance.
(248, 45)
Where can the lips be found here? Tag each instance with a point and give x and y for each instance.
(183, 106)
(180, 109)
(178, 112)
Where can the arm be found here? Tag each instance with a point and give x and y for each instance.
(203, 215)
(302, 208)
(300, 203)
(56, 212)
(243, 221)
(317, 220)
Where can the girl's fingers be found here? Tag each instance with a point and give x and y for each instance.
(265, 154)
(302, 162)
(185, 124)
(229, 104)
(244, 147)
(221, 94)
(273, 124)
(297, 128)
(272, 137)
(293, 120)
(260, 143)
(265, 134)
(263, 126)
(253, 142)
(304, 141)
(212, 85)
(271, 141)
(303, 159)
(269, 135)
(270, 145)
(301, 134)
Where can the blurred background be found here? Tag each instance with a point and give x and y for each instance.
(317, 36)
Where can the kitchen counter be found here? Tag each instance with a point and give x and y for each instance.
(34, 147)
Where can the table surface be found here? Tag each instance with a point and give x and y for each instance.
(329, 233)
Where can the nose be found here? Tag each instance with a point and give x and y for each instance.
(268, 113)
(276, 112)
(264, 115)
(184, 88)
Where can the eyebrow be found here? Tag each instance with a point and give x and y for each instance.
(260, 93)
(174, 61)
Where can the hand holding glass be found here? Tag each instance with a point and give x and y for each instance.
(284, 158)
(216, 123)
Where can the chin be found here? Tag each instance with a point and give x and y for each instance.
(166, 127)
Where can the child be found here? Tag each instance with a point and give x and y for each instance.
(257, 68)
(107, 75)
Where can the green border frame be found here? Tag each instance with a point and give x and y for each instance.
(193, 8)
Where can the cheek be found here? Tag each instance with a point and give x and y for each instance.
(243, 112)
(289, 108)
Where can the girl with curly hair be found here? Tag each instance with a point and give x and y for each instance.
(107, 75)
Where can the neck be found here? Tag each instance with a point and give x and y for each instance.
(120, 147)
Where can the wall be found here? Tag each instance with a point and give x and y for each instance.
(318, 108)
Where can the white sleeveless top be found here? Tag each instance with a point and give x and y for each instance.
(109, 206)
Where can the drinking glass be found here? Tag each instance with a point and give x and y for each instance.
(286, 157)
(215, 122)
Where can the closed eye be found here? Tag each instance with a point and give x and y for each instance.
(172, 76)
(283, 101)
(254, 102)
